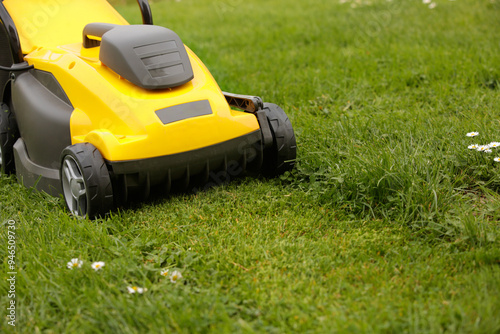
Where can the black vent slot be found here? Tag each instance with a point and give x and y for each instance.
(184, 111)
(161, 59)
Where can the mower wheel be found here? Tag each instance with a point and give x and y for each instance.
(85, 181)
(8, 136)
(280, 157)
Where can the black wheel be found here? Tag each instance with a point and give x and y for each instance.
(280, 157)
(85, 181)
(8, 136)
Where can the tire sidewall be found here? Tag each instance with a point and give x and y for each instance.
(98, 189)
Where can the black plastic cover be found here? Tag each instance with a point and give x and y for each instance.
(213, 163)
(150, 57)
(50, 82)
(95, 30)
(31, 174)
(43, 119)
(184, 111)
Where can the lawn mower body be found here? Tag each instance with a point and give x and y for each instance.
(99, 109)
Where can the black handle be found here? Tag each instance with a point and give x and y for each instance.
(96, 30)
(11, 31)
(147, 17)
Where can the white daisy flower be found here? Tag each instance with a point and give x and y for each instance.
(426, 1)
(494, 144)
(473, 147)
(497, 159)
(164, 272)
(483, 148)
(97, 265)
(136, 289)
(74, 263)
(176, 275)
(432, 5)
(487, 151)
(472, 134)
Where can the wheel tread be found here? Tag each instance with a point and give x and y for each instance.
(281, 157)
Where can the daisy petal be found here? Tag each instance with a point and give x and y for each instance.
(136, 289)
(74, 263)
(176, 275)
(98, 265)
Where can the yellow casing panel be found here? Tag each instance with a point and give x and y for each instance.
(50, 23)
(111, 113)
(119, 118)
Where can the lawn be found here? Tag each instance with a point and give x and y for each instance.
(388, 224)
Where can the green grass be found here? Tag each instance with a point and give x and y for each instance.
(389, 224)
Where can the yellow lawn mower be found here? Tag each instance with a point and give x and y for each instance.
(95, 109)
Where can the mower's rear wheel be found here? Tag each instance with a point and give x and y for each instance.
(85, 181)
(8, 136)
(280, 157)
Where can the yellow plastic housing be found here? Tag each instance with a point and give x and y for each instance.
(111, 113)
(50, 23)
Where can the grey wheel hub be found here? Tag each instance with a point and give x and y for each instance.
(75, 192)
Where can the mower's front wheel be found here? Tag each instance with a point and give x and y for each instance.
(8, 136)
(85, 181)
(280, 156)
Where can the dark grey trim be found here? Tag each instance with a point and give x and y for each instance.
(233, 147)
(43, 120)
(97, 30)
(30, 174)
(49, 81)
(184, 111)
(232, 157)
